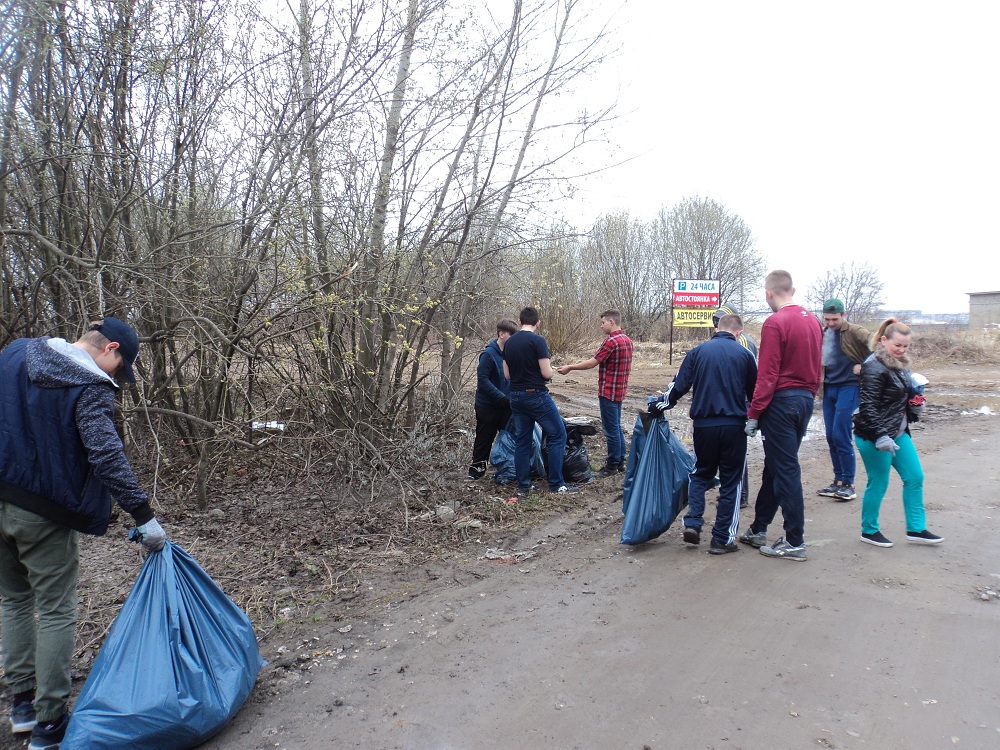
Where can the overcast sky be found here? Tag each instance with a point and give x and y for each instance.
(855, 131)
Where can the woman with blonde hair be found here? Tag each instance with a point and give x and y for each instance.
(882, 434)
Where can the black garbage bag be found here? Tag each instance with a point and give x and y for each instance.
(656, 480)
(576, 462)
(502, 455)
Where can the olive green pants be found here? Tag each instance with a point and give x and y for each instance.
(39, 568)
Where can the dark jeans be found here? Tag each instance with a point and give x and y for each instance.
(611, 425)
(839, 403)
(782, 427)
(721, 448)
(489, 421)
(528, 408)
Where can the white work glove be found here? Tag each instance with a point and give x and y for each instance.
(751, 428)
(151, 535)
(887, 444)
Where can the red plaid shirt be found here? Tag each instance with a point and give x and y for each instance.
(615, 357)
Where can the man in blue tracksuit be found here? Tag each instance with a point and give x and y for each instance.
(723, 374)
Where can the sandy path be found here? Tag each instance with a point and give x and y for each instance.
(593, 645)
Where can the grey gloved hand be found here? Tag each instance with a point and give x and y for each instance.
(887, 444)
(151, 535)
(751, 428)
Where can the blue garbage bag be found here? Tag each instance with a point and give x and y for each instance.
(656, 480)
(502, 455)
(179, 661)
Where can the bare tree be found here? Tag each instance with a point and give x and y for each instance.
(303, 214)
(701, 239)
(858, 286)
(621, 270)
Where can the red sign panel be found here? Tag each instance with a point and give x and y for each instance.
(696, 299)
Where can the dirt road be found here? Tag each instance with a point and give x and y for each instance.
(570, 640)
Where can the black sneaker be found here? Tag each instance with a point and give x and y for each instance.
(525, 491)
(718, 548)
(877, 539)
(49, 736)
(22, 713)
(623, 466)
(692, 535)
(608, 471)
(923, 537)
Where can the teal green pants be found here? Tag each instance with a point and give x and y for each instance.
(877, 465)
(39, 568)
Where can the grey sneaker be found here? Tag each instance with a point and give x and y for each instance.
(923, 537)
(22, 716)
(877, 539)
(754, 540)
(783, 549)
(845, 492)
(830, 491)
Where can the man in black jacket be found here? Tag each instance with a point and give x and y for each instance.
(492, 398)
(723, 374)
(61, 461)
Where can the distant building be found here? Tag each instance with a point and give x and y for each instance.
(984, 310)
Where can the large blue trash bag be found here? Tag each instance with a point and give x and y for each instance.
(502, 455)
(656, 480)
(180, 660)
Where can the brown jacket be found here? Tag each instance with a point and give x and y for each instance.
(855, 342)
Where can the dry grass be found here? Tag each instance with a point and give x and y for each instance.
(932, 344)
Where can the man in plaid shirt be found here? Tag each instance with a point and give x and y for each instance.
(614, 362)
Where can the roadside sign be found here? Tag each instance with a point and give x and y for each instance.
(693, 317)
(696, 299)
(696, 293)
(696, 285)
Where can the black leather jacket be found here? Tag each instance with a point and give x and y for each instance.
(885, 389)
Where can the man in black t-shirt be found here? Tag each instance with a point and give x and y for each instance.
(527, 365)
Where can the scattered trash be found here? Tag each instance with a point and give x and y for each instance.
(981, 410)
(498, 555)
(279, 426)
(988, 594)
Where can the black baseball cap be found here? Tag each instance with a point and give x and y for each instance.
(127, 339)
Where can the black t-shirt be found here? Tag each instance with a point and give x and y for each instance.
(521, 353)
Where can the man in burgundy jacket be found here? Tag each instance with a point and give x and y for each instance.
(788, 377)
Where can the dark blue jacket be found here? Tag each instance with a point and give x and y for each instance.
(723, 374)
(492, 387)
(60, 454)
